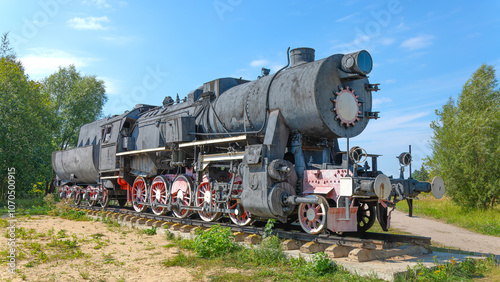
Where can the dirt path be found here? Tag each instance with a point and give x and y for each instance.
(446, 234)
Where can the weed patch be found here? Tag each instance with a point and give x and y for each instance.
(451, 271)
(151, 231)
(215, 242)
(75, 215)
(181, 260)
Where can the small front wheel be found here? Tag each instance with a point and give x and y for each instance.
(312, 217)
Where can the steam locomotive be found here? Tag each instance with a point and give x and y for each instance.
(247, 150)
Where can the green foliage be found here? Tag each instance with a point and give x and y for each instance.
(169, 235)
(151, 231)
(49, 200)
(75, 215)
(180, 260)
(268, 228)
(38, 118)
(267, 262)
(215, 242)
(268, 253)
(32, 205)
(26, 126)
(421, 174)
(5, 49)
(77, 100)
(450, 271)
(465, 145)
(320, 265)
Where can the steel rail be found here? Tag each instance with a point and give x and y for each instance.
(347, 239)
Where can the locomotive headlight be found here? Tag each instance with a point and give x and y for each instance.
(358, 62)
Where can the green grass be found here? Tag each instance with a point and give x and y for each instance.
(481, 221)
(150, 231)
(27, 206)
(56, 248)
(452, 271)
(215, 242)
(264, 262)
(267, 262)
(75, 215)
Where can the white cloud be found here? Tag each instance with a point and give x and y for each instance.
(90, 23)
(347, 17)
(398, 121)
(379, 101)
(361, 42)
(45, 62)
(111, 85)
(387, 81)
(98, 3)
(259, 63)
(418, 42)
(387, 41)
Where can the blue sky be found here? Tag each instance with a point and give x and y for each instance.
(423, 51)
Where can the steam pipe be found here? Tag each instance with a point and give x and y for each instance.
(294, 200)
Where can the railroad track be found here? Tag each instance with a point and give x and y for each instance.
(347, 239)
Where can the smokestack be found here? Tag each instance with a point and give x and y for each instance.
(301, 55)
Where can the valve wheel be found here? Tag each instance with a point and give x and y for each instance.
(182, 195)
(358, 154)
(242, 217)
(205, 195)
(139, 190)
(312, 217)
(159, 194)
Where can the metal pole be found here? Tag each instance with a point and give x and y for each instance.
(347, 154)
(410, 161)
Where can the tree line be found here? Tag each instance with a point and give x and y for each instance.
(39, 117)
(466, 143)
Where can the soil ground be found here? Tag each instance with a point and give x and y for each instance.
(113, 253)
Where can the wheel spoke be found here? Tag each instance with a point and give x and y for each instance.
(365, 216)
(316, 222)
(243, 218)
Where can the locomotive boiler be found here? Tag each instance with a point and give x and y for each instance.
(247, 150)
